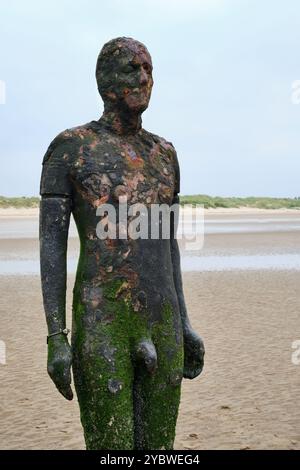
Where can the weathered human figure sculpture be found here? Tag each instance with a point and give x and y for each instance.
(132, 341)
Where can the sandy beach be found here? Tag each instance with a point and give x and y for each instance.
(245, 303)
(34, 211)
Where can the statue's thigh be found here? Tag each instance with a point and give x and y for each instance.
(103, 377)
(157, 397)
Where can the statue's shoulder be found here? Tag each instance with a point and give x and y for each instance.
(69, 141)
(166, 147)
(161, 141)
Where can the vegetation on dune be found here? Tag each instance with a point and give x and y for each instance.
(207, 201)
(19, 202)
(230, 202)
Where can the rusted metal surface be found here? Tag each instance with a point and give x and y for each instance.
(131, 338)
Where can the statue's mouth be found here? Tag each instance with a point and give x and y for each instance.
(136, 91)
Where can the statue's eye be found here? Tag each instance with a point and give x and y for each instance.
(128, 68)
(147, 67)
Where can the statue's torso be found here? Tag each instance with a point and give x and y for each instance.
(102, 167)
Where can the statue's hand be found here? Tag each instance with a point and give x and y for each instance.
(59, 364)
(193, 354)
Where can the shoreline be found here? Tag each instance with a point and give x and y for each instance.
(249, 320)
(34, 211)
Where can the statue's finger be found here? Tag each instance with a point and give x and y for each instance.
(66, 391)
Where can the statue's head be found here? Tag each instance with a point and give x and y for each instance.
(124, 75)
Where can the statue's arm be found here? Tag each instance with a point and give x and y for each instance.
(175, 254)
(193, 345)
(55, 213)
(54, 224)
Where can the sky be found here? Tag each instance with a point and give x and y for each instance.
(223, 77)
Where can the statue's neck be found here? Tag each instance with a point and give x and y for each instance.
(122, 123)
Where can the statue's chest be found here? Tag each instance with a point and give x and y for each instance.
(113, 171)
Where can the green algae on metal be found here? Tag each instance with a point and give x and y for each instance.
(132, 342)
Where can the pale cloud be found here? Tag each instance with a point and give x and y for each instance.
(223, 73)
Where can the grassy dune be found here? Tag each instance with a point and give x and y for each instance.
(19, 202)
(203, 199)
(230, 202)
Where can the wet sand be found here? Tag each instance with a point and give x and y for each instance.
(248, 395)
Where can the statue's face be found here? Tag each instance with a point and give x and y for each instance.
(130, 80)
